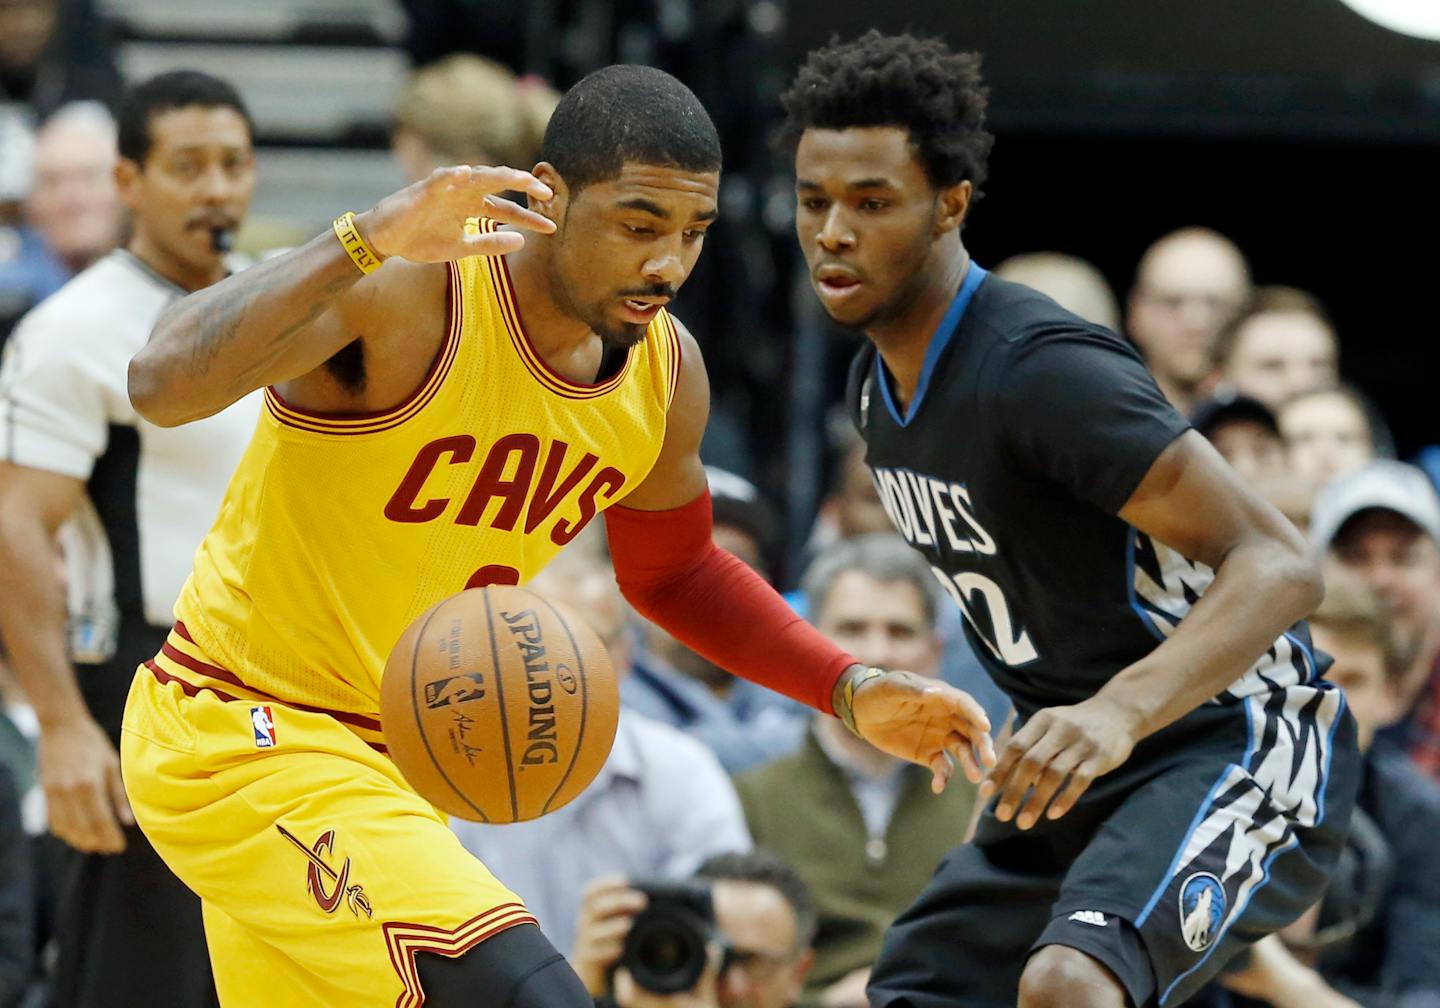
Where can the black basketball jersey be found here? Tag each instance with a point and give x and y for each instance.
(1029, 430)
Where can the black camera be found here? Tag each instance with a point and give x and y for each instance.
(666, 948)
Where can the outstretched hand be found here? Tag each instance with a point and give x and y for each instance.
(1056, 756)
(425, 222)
(926, 722)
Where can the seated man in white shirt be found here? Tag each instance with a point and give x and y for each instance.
(660, 806)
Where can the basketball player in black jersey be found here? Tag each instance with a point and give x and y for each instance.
(1181, 776)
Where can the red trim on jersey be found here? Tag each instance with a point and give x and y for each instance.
(403, 940)
(191, 690)
(226, 676)
(674, 575)
(510, 308)
(321, 422)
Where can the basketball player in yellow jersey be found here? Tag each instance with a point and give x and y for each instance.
(448, 404)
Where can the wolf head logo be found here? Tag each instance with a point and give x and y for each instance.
(1202, 909)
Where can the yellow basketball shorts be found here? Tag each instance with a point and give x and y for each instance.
(321, 873)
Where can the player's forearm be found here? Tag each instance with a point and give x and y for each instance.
(248, 331)
(32, 621)
(1259, 591)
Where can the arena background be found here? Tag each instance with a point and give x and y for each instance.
(1297, 127)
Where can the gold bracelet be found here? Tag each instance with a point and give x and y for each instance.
(361, 254)
(845, 709)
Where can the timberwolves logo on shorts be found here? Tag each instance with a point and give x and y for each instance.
(1202, 908)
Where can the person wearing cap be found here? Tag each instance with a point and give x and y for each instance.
(1396, 953)
(1243, 430)
(1382, 523)
(744, 724)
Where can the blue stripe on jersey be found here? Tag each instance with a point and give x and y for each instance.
(943, 335)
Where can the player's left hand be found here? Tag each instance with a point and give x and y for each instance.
(1057, 755)
(927, 722)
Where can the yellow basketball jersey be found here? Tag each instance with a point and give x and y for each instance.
(337, 531)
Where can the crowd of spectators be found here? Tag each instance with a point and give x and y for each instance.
(808, 841)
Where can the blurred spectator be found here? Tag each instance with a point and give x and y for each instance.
(1397, 955)
(851, 507)
(1071, 282)
(1327, 433)
(765, 917)
(468, 110)
(53, 52)
(1245, 432)
(1282, 344)
(743, 723)
(658, 808)
(73, 210)
(1382, 523)
(1188, 285)
(861, 827)
(134, 500)
(74, 203)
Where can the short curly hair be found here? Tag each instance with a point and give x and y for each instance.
(919, 84)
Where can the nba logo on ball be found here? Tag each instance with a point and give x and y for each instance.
(1202, 908)
(264, 725)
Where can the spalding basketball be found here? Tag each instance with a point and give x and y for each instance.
(499, 705)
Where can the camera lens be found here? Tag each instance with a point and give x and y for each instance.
(665, 953)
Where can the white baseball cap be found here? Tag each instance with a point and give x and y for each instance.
(1384, 484)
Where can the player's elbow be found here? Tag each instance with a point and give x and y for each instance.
(1297, 576)
(1309, 583)
(146, 387)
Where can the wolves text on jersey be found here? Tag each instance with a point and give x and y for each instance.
(938, 517)
(514, 474)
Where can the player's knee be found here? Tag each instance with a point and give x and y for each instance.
(518, 968)
(1061, 977)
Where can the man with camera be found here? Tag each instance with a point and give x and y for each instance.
(738, 934)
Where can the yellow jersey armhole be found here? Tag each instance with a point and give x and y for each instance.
(674, 355)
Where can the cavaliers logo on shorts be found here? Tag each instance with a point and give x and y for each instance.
(1202, 908)
(328, 894)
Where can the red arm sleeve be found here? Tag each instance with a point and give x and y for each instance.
(675, 576)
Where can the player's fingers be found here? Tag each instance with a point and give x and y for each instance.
(986, 745)
(508, 212)
(1025, 771)
(1046, 786)
(942, 766)
(963, 752)
(120, 799)
(498, 178)
(1080, 780)
(493, 244)
(1011, 753)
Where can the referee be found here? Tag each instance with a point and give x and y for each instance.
(128, 503)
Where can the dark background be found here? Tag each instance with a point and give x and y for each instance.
(1303, 131)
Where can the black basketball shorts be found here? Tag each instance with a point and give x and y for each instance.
(1219, 830)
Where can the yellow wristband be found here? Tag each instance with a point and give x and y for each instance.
(361, 254)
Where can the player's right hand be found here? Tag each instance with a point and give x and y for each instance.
(425, 222)
(84, 796)
(607, 910)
